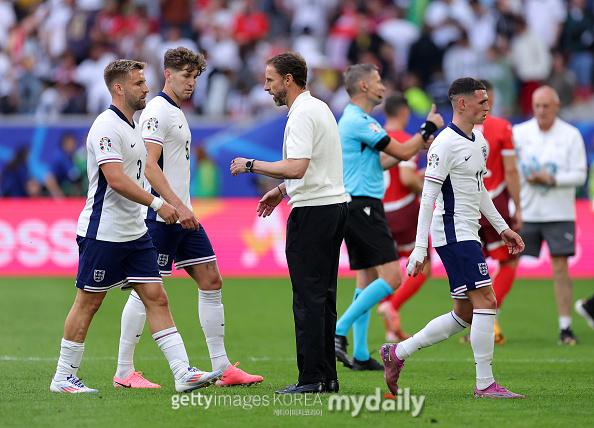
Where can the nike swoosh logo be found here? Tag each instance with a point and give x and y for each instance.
(466, 158)
(73, 366)
(138, 335)
(125, 386)
(180, 126)
(132, 145)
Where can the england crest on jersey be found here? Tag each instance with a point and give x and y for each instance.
(483, 269)
(98, 275)
(485, 154)
(162, 259)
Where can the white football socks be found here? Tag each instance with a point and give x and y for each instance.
(133, 318)
(70, 357)
(437, 330)
(172, 345)
(564, 323)
(212, 320)
(482, 340)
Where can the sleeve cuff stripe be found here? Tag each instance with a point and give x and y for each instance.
(106, 160)
(438, 180)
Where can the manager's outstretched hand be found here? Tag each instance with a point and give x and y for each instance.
(269, 202)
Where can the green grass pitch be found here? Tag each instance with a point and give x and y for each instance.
(557, 380)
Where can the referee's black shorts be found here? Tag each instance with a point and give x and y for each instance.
(368, 237)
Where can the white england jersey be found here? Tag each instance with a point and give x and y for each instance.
(458, 164)
(108, 216)
(164, 123)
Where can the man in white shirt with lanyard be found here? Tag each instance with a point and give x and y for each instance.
(456, 164)
(552, 163)
(115, 249)
(312, 170)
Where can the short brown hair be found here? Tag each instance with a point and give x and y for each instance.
(356, 73)
(290, 63)
(116, 71)
(464, 86)
(182, 58)
(394, 103)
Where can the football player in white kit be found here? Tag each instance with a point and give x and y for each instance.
(167, 136)
(115, 249)
(456, 164)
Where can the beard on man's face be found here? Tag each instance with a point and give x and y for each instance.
(280, 98)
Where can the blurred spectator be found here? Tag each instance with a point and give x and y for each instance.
(342, 32)
(110, 24)
(562, 79)
(90, 72)
(368, 47)
(6, 79)
(425, 57)
(400, 34)
(481, 34)
(310, 48)
(74, 98)
(239, 103)
(206, 179)
(92, 6)
(498, 70)
(418, 100)
(505, 23)
(222, 50)
(223, 57)
(460, 60)
(64, 178)
(56, 37)
(50, 104)
(532, 62)
(437, 90)
(415, 10)
(446, 19)
(29, 86)
(278, 15)
(174, 37)
(54, 16)
(312, 14)
(78, 32)
(65, 71)
(577, 39)
(176, 13)
(544, 18)
(7, 21)
(16, 180)
(250, 24)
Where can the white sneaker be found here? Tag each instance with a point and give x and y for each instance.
(581, 309)
(72, 385)
(195, 379)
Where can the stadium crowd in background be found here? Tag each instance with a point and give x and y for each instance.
(51, 51)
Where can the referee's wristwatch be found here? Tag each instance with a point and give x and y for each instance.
(249, 164)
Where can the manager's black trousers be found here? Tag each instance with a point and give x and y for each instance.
(314, 236)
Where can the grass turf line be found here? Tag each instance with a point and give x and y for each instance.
(259, 333)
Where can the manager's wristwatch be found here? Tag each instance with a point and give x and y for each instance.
(249, 164)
